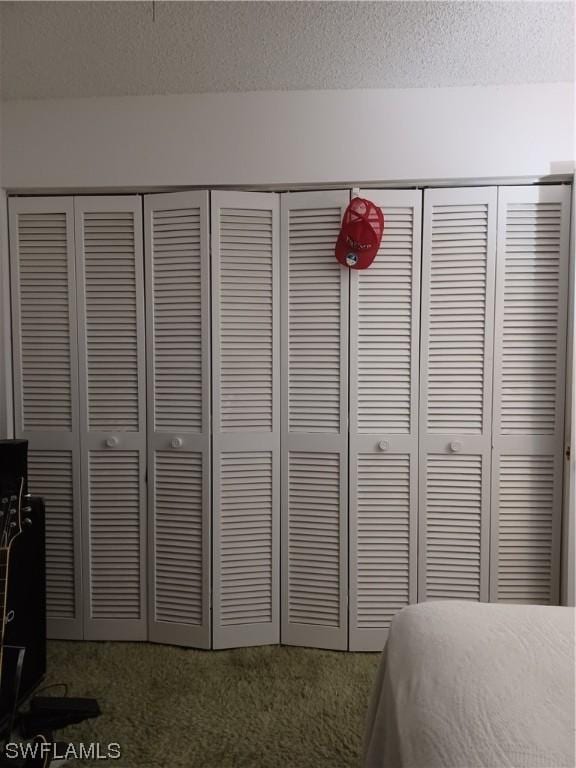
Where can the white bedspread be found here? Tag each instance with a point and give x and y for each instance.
(467, 685)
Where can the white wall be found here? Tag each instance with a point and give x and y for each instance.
(289, 137)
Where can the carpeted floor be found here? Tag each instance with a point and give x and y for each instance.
(270, 707)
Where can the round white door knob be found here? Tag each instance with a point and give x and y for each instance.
(383, 445)
(455, 446)
(112, 442)
(177, 442)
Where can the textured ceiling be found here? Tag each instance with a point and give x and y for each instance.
(63, 49)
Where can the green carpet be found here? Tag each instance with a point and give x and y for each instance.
(270, 707)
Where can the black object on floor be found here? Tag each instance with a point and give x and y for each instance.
(55, 712)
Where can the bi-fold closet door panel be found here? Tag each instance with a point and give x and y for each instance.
(109, 270)
(482, 461)
(384, 381)
(177, 266)
(315, 296)
(43, 289)
(246, 418)
(457, 323)
(529, 376)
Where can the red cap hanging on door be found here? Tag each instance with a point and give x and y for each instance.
(360, 234)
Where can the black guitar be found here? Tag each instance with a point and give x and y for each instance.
(11, 525)
(10, 528)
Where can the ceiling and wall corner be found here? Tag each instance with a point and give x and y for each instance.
(101, 95)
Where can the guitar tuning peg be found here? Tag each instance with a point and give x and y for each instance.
(4, 500)
(27, 509)
(27, 522)
(13, 524)
(13, 498)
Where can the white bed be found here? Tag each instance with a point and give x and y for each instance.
(464, 685)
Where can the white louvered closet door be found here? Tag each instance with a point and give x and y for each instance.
(529, 375)
(46, 389)
(246, 423)
(109, 265)
(315, 293)
(178, 362)
(384, 378)
(459, 249)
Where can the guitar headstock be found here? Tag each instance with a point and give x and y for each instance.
(11, 515)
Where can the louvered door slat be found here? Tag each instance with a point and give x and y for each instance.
(246, 431)
(529, 374)
(459, 254)
(43, 250)
(314, 421)
(384, 347)
(50, 475)
(46, 389)
(526, 540)
(314, 535)
(383, 539)
(178, 360)
(111, 319)
(246, 273)
(109, 265)
(115, 538)
(315, 321)
(246, 542)
(179, 598)
(453, 503)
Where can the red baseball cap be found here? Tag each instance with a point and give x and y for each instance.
(360, 234)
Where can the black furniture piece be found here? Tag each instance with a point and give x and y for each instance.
(13, 463)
